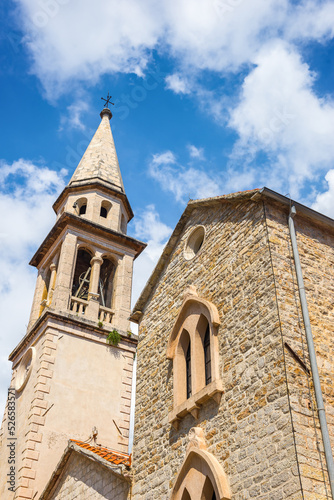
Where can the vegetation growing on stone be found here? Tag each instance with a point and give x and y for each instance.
(113, 337)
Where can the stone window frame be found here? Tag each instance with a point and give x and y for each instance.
(200, 473)
(195, 314)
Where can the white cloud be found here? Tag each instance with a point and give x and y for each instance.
(149, 228)
(79, 40)
(27, 193)
(177, 84)
(311, 20)
(196, 153)
(188, 182)
(73, 118)
(324, 202)
(182, 182)
(205, 35)
(279, 114)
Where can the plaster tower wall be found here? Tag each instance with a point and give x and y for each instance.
(68, 381)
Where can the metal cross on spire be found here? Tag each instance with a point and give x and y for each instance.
(107, 101)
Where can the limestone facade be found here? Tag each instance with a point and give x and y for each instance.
(264, 431)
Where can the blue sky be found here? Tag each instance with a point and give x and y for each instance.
(211, 97)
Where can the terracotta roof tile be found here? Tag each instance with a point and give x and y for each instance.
(114, 457)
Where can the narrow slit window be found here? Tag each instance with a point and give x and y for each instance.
(188, 371)
(207, 356)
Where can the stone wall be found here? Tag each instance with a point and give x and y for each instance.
(84, 478)
(250, 432)
(316, 249)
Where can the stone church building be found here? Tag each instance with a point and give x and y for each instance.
(235, 354)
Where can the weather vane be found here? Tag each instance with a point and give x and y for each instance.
(107, 101)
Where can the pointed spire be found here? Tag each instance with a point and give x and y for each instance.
(100, 161)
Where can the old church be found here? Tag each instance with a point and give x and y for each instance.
(235, 353)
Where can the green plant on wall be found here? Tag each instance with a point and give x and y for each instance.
(100, 324)
(113, 337)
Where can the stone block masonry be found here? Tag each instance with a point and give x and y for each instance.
(316, 248)
(84, 478)
(264, 431)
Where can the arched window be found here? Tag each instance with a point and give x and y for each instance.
(106, 282)
(82, 275)
(105, 208)
(182, 371)
(186, 495)
(80, 206)
(188, 371)
(207, 355)
(201, 476)
(208, 493)
(193, 347)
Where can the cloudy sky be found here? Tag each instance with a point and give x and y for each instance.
(211, 97)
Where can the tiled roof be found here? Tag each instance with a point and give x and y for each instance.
(114, 457)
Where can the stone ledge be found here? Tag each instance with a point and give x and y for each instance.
(192, 405)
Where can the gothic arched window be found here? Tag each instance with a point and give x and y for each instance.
(201, 475)
(193, 347)
(188, 371)
(207, 356)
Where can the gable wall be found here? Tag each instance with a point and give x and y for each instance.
(84, 478)
(250, 432)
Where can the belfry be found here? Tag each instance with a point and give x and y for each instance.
(69, 382)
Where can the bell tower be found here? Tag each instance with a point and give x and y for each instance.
(68, 377)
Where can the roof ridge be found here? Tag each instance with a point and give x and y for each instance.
(112, 456)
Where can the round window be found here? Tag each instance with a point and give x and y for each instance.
(194, 243)
(24, 369)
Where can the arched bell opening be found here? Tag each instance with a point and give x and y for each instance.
(82, 275)
(105, 209)
(46, 284)
(80, 206)
(106, 282)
